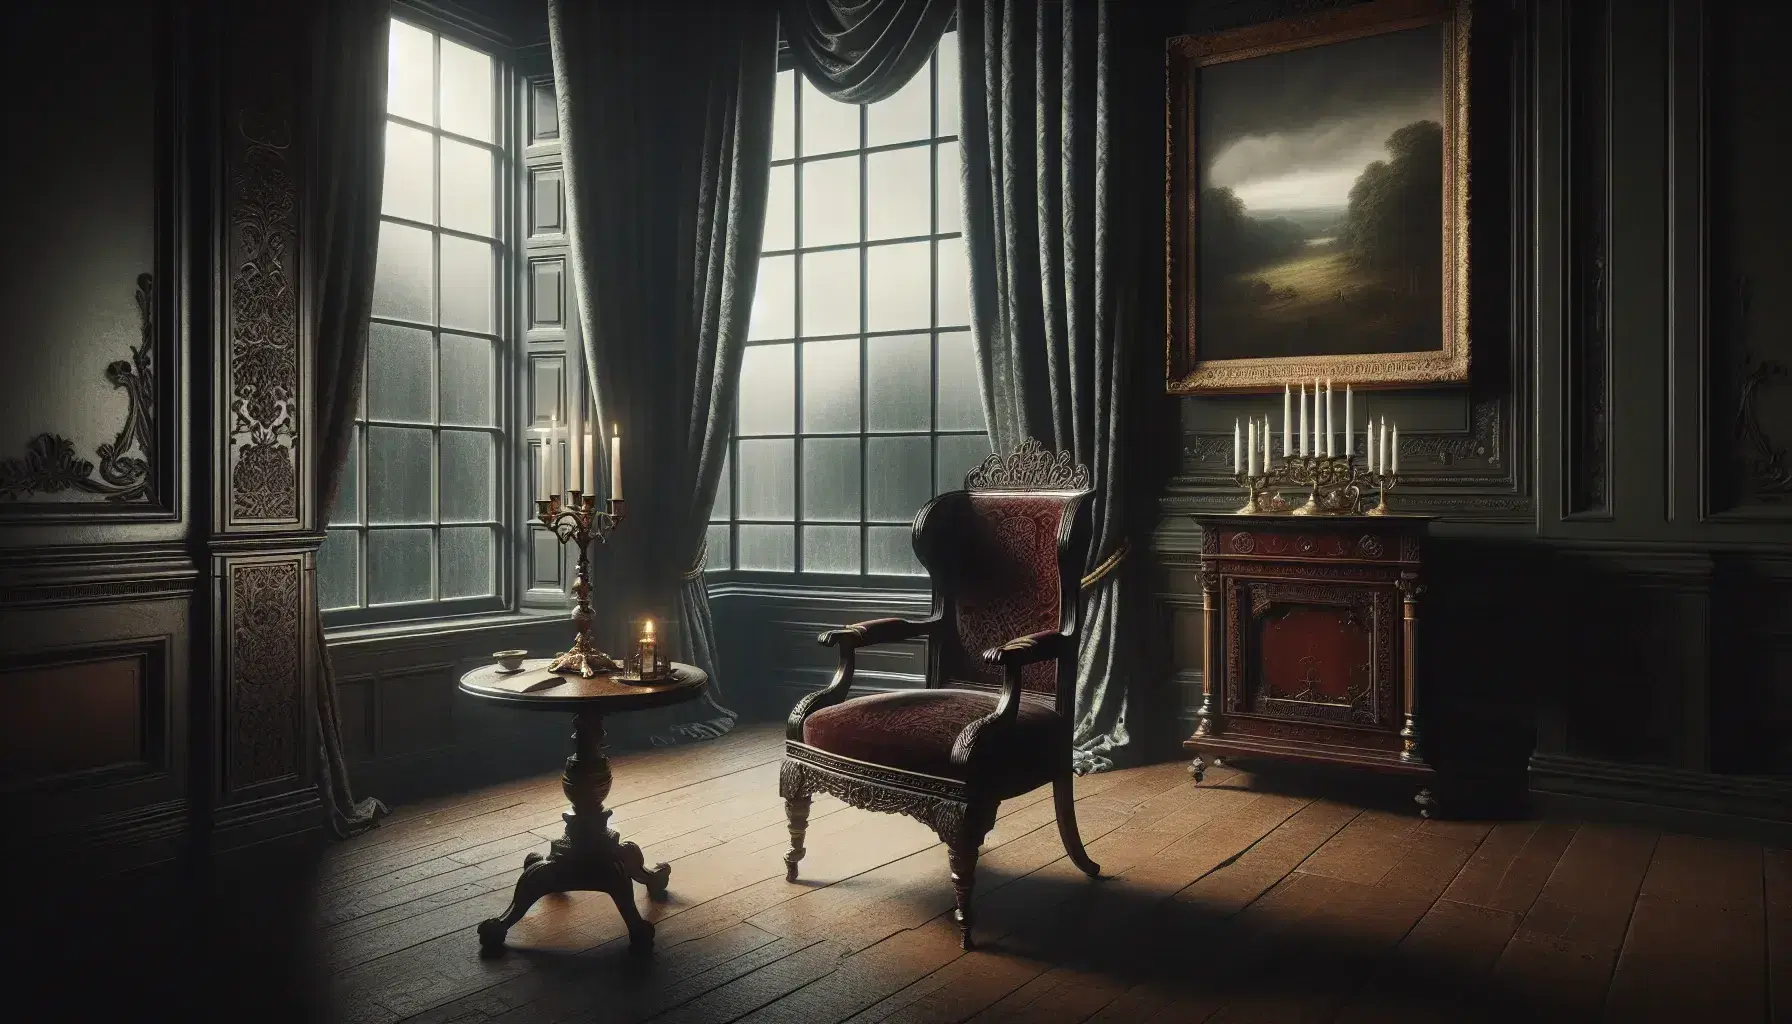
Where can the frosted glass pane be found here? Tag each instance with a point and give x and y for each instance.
(466, 561)
(896, 279)
(904, 117)
(902, 480)
(348, 491)
(767, 480)
(946, 60)
(466, 91)
(723, 508)
(831, 479)
(954, 284)
(768, 390)
(899, 193)
(784, 117)
(466, 187)
(466, 380)
(339, 570)
(399, 564)
(833, 549)
(951, 201)
(831, 293)
(780, 211)
(467, 478)
(774, 300)
(831, 201)
(960, 400)
(831, 386)
(958, 454)
(404, 275)
(466, 284)
(410, 189)
(767, 547)
(721, 549)
(400, 373)
(410, 73)
(899, 370)
(398, 475)
(890, 551)
(828, 127)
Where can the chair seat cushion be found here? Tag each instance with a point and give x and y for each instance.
(913, 730)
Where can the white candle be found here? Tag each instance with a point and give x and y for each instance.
(1317, 451)
(1394, 463)
(1369, 444)
(588, 465)
(1287, 421)
(553, 479)
(1381, 461)
(1331, 419)
(1266, 449)
(1237, 449)
(576, 452)
(1349, 423)
(616, 461)
(1302, 433)
(1250, 462)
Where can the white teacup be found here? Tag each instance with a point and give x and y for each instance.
(510, 661)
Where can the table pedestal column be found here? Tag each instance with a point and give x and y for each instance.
(590, 856)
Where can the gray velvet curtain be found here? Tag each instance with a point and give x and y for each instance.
(665, 116)
(861, 51)
(1049, 223)
(348, 145)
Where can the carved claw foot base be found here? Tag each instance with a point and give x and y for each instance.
(613, 870)
(1428, 804)
(1198, 769)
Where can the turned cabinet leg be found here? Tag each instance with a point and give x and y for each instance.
(796, 811)
(963, 859)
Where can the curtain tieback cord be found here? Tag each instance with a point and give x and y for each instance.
(695, 572)
(1109, 564)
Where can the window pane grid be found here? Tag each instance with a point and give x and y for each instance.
(424, 522)
(823, 379)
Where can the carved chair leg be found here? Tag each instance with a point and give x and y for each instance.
(963, 858)
(796, 810)
(1064, 799)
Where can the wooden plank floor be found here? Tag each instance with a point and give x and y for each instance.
(1226, 902)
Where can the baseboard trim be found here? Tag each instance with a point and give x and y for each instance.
(1754, 808)
(269, 817)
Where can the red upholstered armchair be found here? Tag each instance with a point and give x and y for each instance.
(994, 720)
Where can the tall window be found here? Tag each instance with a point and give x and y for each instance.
(416, 528)
(858, 391)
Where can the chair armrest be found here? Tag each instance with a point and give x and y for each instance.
(849, 639)
(1026, 650)
(875, 631)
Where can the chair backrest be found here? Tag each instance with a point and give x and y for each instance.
(1006, 555)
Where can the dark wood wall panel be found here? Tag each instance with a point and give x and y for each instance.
(74, 717)
(270, 610)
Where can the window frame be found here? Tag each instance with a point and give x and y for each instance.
(506, 429)
(933, 332)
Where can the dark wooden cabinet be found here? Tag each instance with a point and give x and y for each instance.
(1309, 629)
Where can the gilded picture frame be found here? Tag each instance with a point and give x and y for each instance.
(1325, 138)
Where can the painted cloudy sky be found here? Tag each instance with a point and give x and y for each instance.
(1291, 131)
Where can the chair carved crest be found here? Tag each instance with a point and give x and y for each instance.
(1030, 467)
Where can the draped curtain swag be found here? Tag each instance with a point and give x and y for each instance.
(1050, 232)
(862, 51)
(665, 119)
(348, 82)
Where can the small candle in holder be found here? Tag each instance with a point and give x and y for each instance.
(616, 461)
(1251, 451)
(649, 659)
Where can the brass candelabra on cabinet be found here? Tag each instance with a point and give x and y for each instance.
(1335, 486)
(578, 520)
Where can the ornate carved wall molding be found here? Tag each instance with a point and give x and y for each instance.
(267, 627)
(1587, 370)
(126, 470)
(261, 199)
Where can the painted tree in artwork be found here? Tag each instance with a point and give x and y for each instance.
(1394, 226)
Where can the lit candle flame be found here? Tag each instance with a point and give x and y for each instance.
(647, 628)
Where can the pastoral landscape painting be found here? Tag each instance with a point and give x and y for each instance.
(1320, 225)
